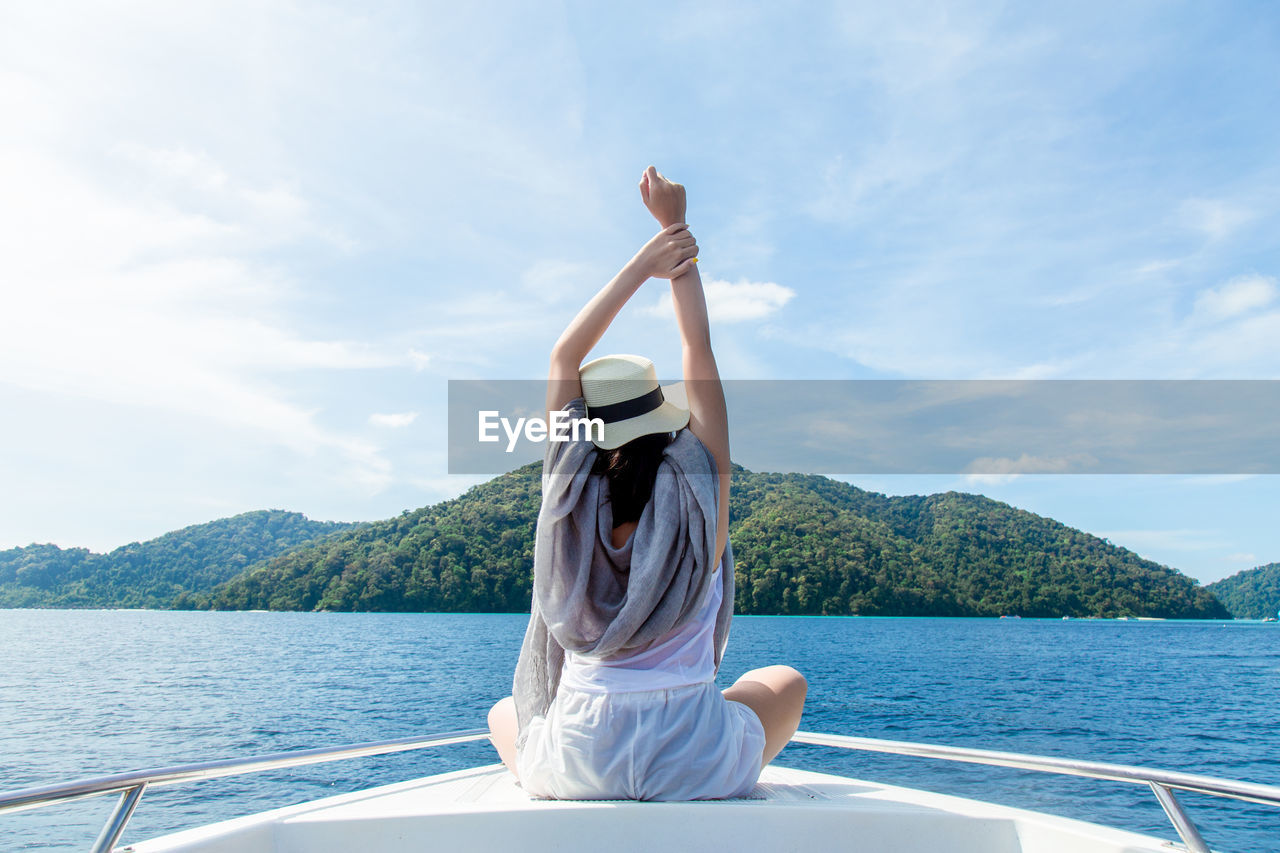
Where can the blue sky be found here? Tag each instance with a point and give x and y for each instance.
(243, 247)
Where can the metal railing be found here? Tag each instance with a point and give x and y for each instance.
(131, 785)
(1162, 782)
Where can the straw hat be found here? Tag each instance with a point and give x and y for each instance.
(623, 391)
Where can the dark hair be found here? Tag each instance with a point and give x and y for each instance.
(631, 471)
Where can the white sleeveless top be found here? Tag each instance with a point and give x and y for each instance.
(684, 656)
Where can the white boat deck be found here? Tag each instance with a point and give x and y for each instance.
(482, 809)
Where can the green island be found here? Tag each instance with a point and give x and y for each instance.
(804, 545)
(1251, 594)
(159, 574)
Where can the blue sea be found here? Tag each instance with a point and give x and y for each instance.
(93, 692)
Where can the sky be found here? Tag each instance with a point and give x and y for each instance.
(245, 246)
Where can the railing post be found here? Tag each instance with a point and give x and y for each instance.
(115, 824)
(1180, 820)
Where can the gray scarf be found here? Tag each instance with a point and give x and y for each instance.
(594, 599)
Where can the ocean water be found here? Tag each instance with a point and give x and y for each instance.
(93, 692)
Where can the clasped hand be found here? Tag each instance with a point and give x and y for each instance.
(671, 253)
(665, 199)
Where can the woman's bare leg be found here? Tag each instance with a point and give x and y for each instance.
(776, 694)
(502, 732)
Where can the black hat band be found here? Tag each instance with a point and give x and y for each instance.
(627, 408)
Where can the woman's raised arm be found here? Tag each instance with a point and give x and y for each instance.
(669, 253)
(708, 417)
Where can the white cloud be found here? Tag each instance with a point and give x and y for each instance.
(732, 302)
(1240, 295)
(419, 361)
(1217, 479)
(989, 479)
(1157, 266)
(1214, 218)
(1232, 331)
(393, 421)
(991, 470)
(879, 177)
(138, 282)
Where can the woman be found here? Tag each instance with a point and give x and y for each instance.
(614, 695)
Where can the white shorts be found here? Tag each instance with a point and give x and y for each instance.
(681, 743)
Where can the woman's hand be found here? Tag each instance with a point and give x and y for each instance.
(664, 198)
(670, 254)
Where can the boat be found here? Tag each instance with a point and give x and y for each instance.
(483, 809)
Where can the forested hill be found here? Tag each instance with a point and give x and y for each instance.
(1251, 594)
(158, 573)
(804, 545)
